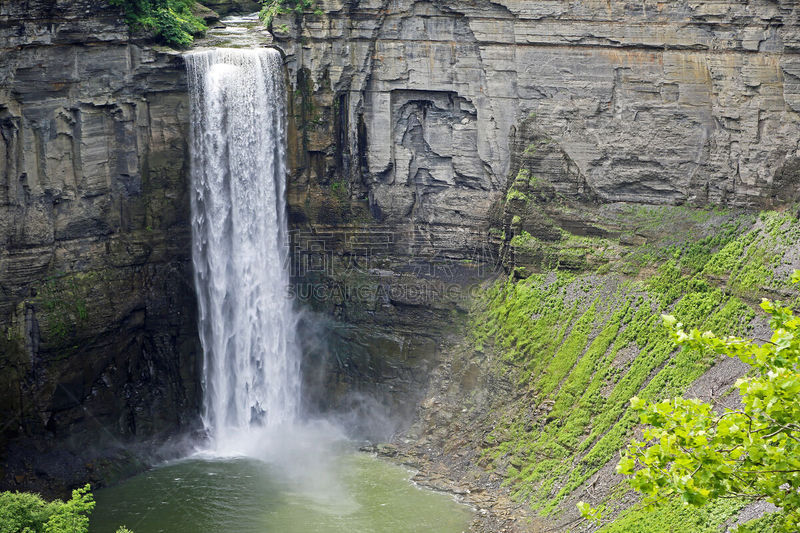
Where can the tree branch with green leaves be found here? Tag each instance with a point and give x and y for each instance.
(24, 512)
(696, 453)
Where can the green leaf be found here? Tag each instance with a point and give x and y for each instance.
(637, 403)
(626, 466)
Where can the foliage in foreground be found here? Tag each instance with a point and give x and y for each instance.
(171, 21)
(23, 512)
(695, 454)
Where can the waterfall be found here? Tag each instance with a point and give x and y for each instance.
(239, 232)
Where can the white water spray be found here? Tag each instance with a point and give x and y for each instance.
(239, 229)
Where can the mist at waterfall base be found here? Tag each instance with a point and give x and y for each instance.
(264, 466)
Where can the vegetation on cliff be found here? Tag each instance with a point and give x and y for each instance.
(171, 21)
(579, 341)
(272, 8)
(752, 452)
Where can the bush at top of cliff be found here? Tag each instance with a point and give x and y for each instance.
(272, 8)
(171, 21)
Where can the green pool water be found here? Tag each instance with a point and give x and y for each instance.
(350, 493)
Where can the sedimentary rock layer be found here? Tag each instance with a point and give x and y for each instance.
(96, 302)
(654, 102)
(411, 119)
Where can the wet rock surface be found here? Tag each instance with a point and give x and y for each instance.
(233, 7)
(421, 103)
(441, 444)
(411, 120)
(97, 311)
(377, 302)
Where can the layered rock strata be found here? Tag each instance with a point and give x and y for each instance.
(413, 119)
(421, 104)
(99, 345)
(409, 124)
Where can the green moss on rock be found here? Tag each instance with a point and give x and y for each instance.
(579, 346)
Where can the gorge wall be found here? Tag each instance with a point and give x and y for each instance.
(97, 310)
(410, 124)
(414, 122)
(421, 104)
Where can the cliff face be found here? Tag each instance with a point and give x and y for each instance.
(99, 345)
(412, 119)
(528, 133)
(645, 102)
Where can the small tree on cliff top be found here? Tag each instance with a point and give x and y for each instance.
(693, 453)
(272, 8)
(170, 21)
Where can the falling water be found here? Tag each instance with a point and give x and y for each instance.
(246, 322)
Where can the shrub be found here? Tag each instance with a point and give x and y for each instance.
(272, 8)
(171, 21)
(695, 454)
(23, 512)
(29, 513)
